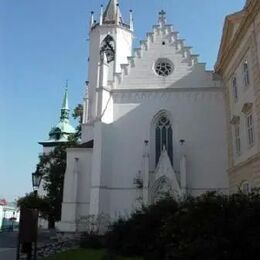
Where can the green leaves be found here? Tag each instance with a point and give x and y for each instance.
(209, 227)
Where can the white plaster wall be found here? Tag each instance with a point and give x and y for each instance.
(76, 197)
(197, 116)
(1, 216)
(123, 44)
(142, 75)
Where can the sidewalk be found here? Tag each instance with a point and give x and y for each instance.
(7, 253)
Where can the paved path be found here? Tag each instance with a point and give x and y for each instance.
(7, 253)
(8, 242)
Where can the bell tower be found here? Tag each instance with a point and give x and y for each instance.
(111, 37)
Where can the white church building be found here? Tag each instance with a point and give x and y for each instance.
(154, 122)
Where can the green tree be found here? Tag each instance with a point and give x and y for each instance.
(31, 201)
(52, 167)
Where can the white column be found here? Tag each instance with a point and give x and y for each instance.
(85, 106)
(96, 171)
(183, 168)
(146, 173)
(103, 77)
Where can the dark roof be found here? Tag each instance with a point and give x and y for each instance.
(89, 144)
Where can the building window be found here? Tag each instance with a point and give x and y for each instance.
(163, 67)
(246, 74)
(108, 47)
(235, 90)
(237, 139)
(163, 138)
(250, 129)
(245, 187)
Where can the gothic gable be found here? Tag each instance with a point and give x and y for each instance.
(165, 181)
(163, 60)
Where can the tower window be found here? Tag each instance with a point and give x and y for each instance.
(163, 138)
(108, 46)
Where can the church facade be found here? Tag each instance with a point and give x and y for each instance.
(153, 123)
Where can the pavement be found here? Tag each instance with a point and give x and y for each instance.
(8, 242)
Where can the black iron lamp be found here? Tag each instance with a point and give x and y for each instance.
(36, 180)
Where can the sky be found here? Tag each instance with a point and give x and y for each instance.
(43, 43)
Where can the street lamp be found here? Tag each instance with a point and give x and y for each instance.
(36, 181)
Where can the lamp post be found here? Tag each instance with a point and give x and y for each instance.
(36, 181)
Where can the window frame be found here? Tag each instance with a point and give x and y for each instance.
(250, 129)
(235, 89)
(163, 130)
(247, 185)
(237, 139)
(246, 73)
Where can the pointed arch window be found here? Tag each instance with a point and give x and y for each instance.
(163, 137)
(108, 46)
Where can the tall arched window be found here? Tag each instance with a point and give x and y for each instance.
(163, 137)
(108, 46)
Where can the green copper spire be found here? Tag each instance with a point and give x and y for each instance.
(65, 105)
(61, 132)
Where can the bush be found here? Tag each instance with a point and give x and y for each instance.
(208, 227)
(92, 240)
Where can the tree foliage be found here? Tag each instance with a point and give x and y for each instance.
(31, 201)
(208, 227)
(52, 168)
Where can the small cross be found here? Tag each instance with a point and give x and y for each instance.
(162, 13)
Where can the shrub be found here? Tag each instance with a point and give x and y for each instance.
(209, 227)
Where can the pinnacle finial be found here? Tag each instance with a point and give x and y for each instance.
(101, 15)
(67, 84)
(162, 18)
(65, 103)
(131, 20)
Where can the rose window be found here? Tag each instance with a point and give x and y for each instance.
(163, 67)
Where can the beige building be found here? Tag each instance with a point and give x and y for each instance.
(238, 64)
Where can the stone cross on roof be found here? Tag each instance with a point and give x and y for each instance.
(162, 13)
(162, 19)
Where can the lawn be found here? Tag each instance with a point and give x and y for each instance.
(85, 254)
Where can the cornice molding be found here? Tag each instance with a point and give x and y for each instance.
(244, 163)
(250, 13)
(159, 90)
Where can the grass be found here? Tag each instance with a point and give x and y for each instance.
(85, 254)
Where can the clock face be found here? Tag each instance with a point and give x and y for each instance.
(108, 46)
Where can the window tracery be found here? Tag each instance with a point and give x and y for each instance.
(163, 67)
(108, 46)
(163, 138)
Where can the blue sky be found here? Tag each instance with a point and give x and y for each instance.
(44, 42)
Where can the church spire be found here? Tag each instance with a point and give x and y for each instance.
(112, 14)
(65, 105)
